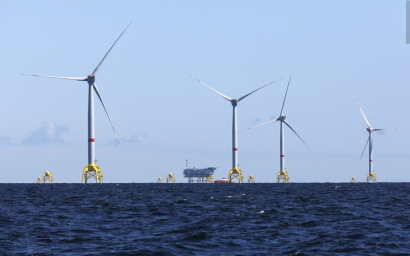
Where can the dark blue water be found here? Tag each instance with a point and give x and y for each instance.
(205, 219)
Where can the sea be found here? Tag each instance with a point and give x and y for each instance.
(205, 219)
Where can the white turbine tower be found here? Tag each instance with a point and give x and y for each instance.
(371, 175)
(91, 170)
(282, 175)
(235, 172)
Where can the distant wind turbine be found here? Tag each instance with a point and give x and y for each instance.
(235, 167)
(370, 130)
(91, 170)
(282, 175)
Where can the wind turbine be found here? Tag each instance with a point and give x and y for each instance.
(235, 172)
(91, 170)
(371, 175)
(282, 175)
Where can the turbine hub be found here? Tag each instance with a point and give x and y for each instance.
(91, 79)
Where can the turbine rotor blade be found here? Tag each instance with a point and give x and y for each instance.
(243, 97)
(367, 122)
(397, 130)
(99, 96)
(99, 65)
(364, 148)
(226, 97)
(271, 121)
(60, 77)
(295, 133)
(283, 105)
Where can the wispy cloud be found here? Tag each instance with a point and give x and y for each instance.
(380, 132)
(6, 141)
(49, 133)
(256, 121)
(134, 139)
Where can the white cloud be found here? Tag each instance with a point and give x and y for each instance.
(134, 139)
(256, 121)
(5, 141)
(50, 132)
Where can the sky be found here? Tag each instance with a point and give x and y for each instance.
(337, 52)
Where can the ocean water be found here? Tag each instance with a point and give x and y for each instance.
(205, 219)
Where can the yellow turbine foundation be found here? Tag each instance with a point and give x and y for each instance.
(371, 177)
(92, 171)
(235, 173)
(170, 178)
(353, 180)
(209, 179)
(251, 179)
(282, 177)
(47, 176)
(159, 180)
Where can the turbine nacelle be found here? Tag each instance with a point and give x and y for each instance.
(90, 79)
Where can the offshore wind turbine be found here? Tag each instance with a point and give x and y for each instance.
(91, 170)
(371, 175)
(282, 175)
(235, 172)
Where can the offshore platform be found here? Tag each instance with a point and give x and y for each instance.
(202, 175)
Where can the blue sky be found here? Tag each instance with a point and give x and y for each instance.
(336, 51)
